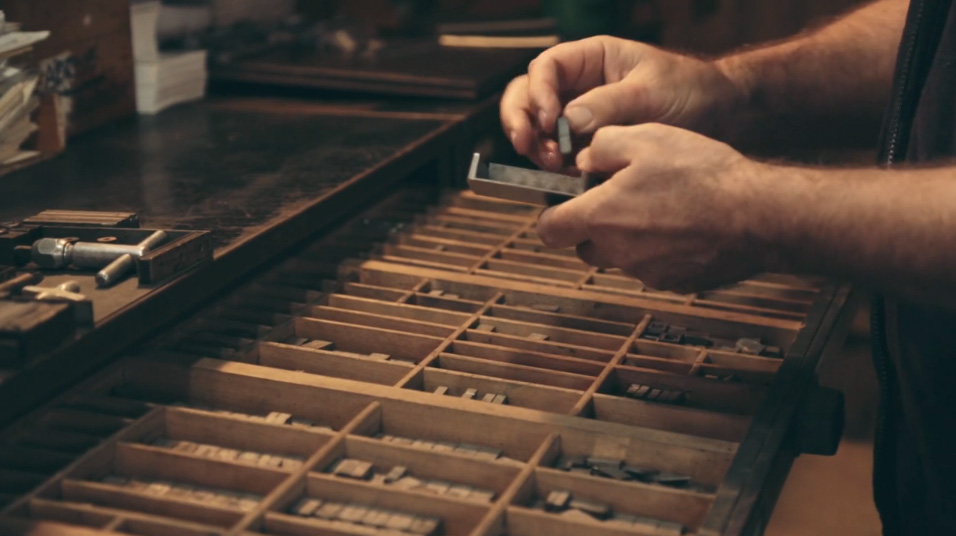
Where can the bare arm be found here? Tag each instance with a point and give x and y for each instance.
(893, 230)
(796, 89)
(781, 93)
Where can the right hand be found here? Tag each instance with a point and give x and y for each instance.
(611, 81)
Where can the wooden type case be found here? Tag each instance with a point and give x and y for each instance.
(235, 419)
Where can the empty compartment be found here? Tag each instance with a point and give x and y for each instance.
(361, 367)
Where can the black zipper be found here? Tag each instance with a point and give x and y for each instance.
(884, 481)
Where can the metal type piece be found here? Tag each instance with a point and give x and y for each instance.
(564, 136)
(524, 185)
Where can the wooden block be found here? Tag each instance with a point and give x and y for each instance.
(408, 483)
(379, 357)
(482, 495)
(306, 507)
(435, 292)
(500, 399)
(206, 450)
(453, 296)
(425, 526)
(441, 390)
(459, 491)
(538, 337)
(487, 453)
(279, 417)
(249, 457)
(470, 394)
(557, 500)
(489, 397)
(377, 518)
(320, 345)
(351, 468)
(576, 515)
(749, 346)
(227, 454)
(486, 327)
(437, 487)
(329, 510)
(352, 513)
(396, 473)
(444, 446)
(400, 522)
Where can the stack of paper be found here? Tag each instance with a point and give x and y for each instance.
(172, 79)
(17, 101)
(144, 16)
(162, 78)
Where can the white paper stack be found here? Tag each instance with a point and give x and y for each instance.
(163, 79)
(17, 102)
(144, 16)
(172, 79)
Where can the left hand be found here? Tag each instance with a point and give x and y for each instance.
(681, 212)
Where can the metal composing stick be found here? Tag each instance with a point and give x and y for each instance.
(523, 185)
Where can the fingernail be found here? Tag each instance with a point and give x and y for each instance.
(578, 117)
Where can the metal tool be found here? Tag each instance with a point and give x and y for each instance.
(524, 185)
(123, 264)
(118, 259)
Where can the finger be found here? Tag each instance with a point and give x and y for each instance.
(565, 68)
(515, 116)
(590, 253)
(612, 149)
(567, 224)
(626, 101)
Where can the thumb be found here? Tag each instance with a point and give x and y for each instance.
(610, 104)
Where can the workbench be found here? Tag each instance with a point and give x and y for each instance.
(359, 308)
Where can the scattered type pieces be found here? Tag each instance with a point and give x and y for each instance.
(646, 392)
(228, 454)
(619, 470)
(187, 492)
(473, 394)
(565, 504)
(274, 417)
(466, 449)
(400, 478)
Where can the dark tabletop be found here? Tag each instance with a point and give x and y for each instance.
(211, 166)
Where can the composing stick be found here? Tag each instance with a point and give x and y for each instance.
(523, 185)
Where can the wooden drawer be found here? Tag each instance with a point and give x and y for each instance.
(444, 341)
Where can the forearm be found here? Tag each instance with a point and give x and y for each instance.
(824, 86)
(891, 230)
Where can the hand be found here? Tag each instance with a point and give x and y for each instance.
(681, 212)
(613, 81)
